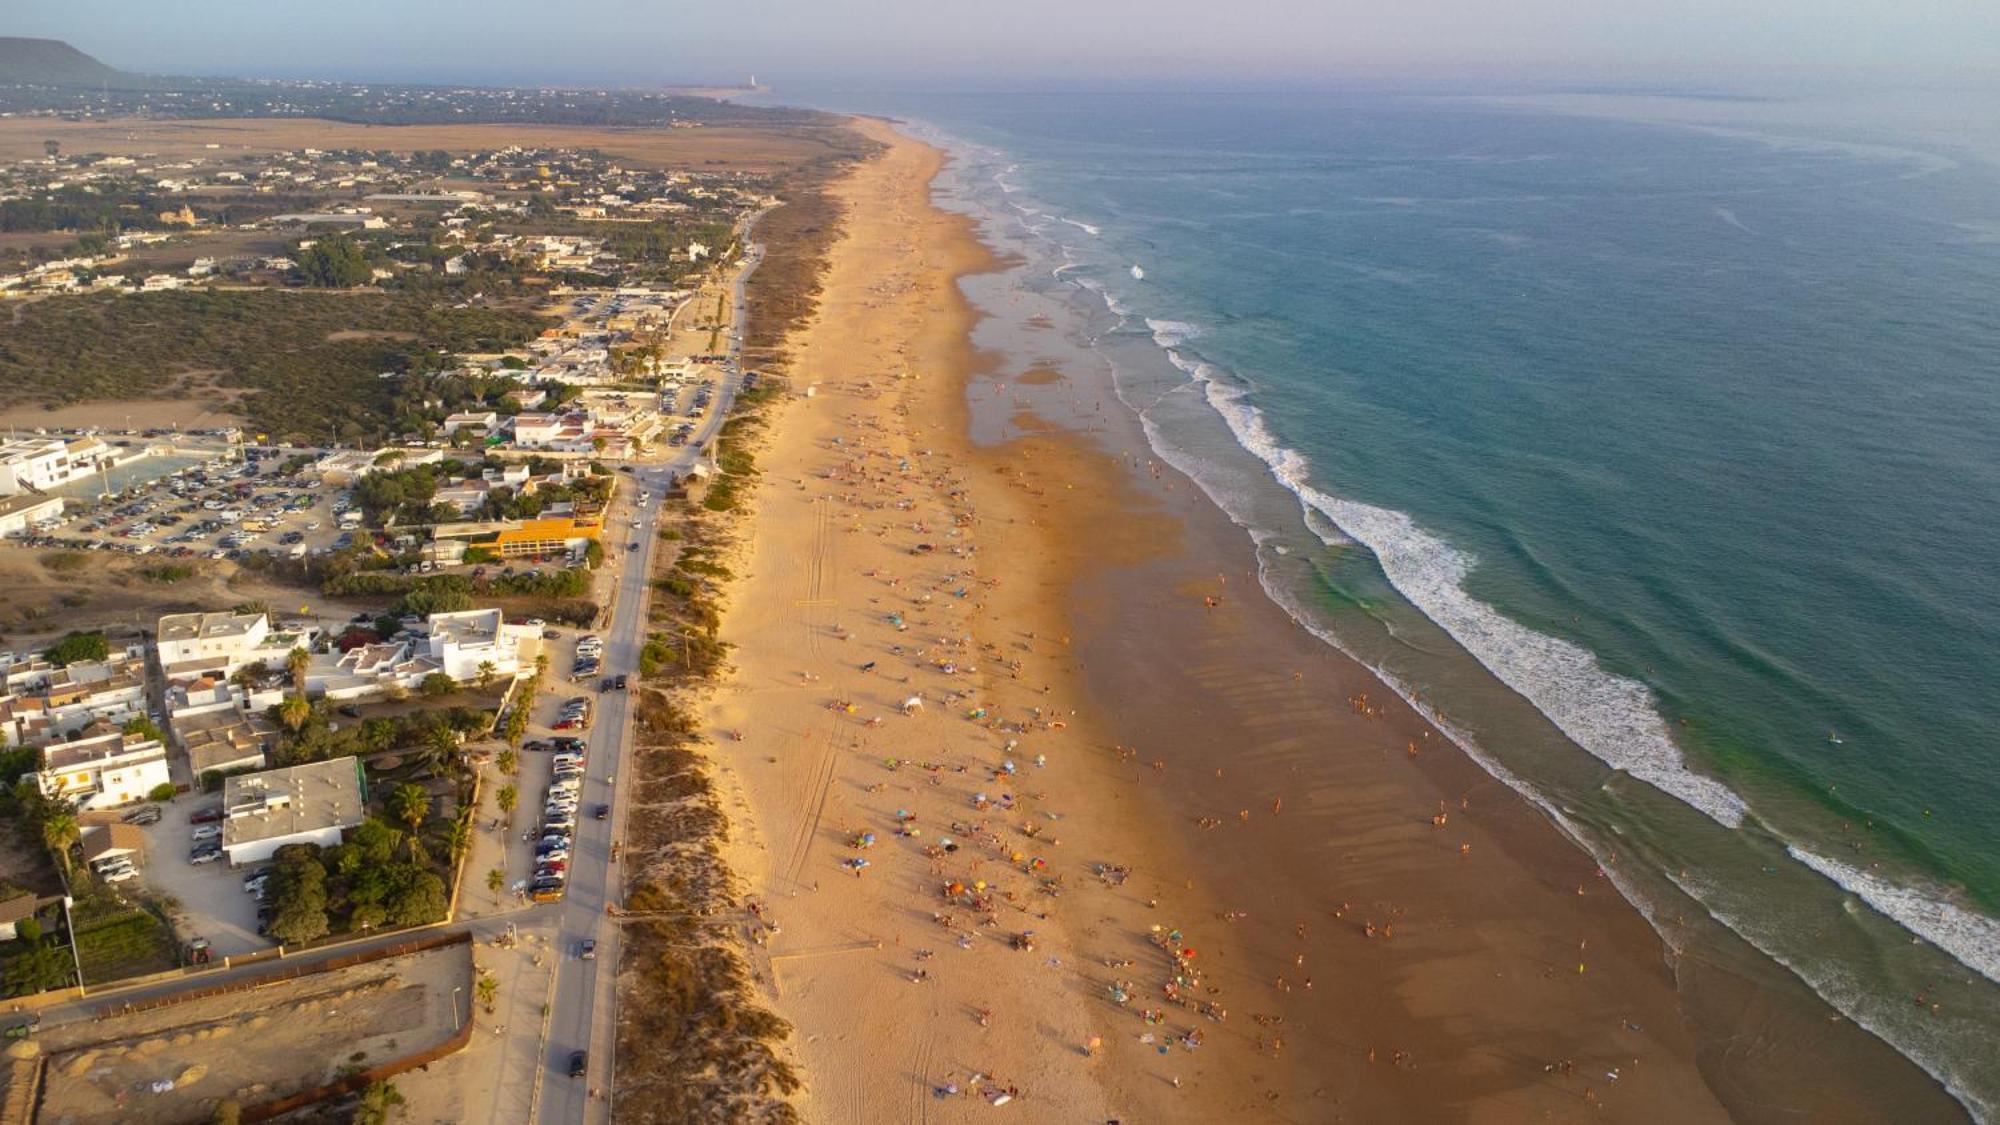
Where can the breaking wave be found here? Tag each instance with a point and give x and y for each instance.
(1612, 717)
(1972, 939)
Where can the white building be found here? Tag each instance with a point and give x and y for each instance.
(461, 642)
(37, 464)
(19, 513)
(40, 702)
(309, 804)
(471, 419)
(111, 769)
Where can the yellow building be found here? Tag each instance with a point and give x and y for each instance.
(514, 539)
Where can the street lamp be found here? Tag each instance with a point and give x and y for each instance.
(455, 990)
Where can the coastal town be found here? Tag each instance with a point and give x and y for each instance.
(407, 639)
(523, 602)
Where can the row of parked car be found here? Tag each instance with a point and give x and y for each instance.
(589, 658)
(559, 811)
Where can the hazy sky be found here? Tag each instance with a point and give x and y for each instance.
(998, 43)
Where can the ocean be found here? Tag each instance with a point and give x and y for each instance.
(1660, 462)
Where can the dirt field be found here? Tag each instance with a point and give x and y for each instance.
(707, 149)
(39, 604)
(203, 413)
(256, 1045)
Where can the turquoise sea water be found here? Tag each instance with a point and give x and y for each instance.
(1664, 462)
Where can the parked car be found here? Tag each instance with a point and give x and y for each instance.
(209, 815)
(143, 815)
(207, 832)
(120, 874)
(207, 853)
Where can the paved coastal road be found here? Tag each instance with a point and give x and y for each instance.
(584, 1012)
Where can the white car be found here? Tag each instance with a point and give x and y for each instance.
(119, 874)
(207, 832)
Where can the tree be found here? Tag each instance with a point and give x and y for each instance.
(487, 989)
(296, 662)
(376, 1101)
(410, 804)
(334, 263)
(508, 761)
(298, 895)
(459, 841)
(419, 900)
(507, 796)
(437, 683)
(367, 916)
(39, 967)
(293, 711)
(440, 746)
(28, 931)
(298, 922)
(140, 726)
(487, 670)
(376, 841)
(496, 879)
(59, 831)
(75, 647)
(164, 791)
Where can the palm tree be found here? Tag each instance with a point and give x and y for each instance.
(410, 804)
(440, 745)
(295, 663)
(487, 988)
(59, 831)
(496, 879)
(508, 797)
(487, 670)
(294, 711)
(460, 839)
(508, 761)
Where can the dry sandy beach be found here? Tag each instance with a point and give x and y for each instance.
(1138, 849)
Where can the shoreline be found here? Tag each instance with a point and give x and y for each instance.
(1280, 803)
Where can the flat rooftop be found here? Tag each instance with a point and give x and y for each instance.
(471, 627)
(286, 802)
(206, 626)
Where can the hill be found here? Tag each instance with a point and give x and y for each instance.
(52, 62)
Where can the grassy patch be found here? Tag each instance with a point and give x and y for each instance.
(116, 939)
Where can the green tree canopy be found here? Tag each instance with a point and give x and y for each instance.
(75, 647)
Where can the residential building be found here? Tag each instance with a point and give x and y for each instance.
(21, 512)
(37, 464)
(468, 644)
(309, 804)
(472, 419)
(225, 741)
(104, 771)
(41, 702)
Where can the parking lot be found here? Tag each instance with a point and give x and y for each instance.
(213, 903)
(219, 510)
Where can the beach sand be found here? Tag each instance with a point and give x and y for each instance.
(1366, 925)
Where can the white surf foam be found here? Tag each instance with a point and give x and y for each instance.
(1080, 225)
(1973, 939)
(1171, 334)
(1612, 717)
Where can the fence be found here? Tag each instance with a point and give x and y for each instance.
(292, 971)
